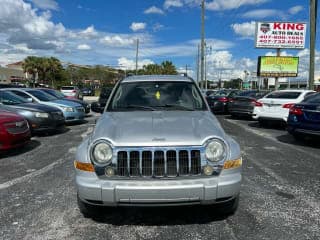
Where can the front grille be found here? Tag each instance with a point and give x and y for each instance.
(57, 115)
(80, 109)
(17, 127)
(158, 163)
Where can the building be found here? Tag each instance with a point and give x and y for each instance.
(11, 75)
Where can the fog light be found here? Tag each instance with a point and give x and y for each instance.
(208, 170)
(109, 172)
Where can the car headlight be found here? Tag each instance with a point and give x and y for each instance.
(68, 109)
(41, 115)
(216, 150)
(102, 153)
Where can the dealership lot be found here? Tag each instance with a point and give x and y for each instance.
(279, 196)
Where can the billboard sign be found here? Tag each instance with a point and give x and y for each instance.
(280, 35)
(270, 66)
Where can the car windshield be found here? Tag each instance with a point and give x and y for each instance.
(284, 95)
(9, 98)
(152, 96)
(67, 88)
(42, 96)
(54, 93)
(315, 98)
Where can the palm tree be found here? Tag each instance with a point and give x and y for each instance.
(31, 66)
(168, 68)
(54, 68)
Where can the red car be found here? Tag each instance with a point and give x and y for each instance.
(14, 130)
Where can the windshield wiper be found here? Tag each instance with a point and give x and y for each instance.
(140, 107)
(177, 107)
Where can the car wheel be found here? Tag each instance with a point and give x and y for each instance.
(263, 123)
(86, 209)
(298, 136)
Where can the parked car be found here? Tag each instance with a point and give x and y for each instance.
(72, 92)
(88, 91)
(72, 112)
(102, 101)
(304, 117)
(218, 101)
(275, 105)
(244, 103)
(41, 118)
(157, 143)
(14, 130)
(61, 96)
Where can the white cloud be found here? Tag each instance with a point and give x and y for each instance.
(118, 40)
(294, 10)
(157, 27)
(246, 29)
(137, 26)
(89, 32)
(217, 5)
(264, 13)
(172, 3)
(84, 47)
(128, 64)
(154, 10)
(46, 4)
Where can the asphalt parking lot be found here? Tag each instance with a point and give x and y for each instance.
(280, 195)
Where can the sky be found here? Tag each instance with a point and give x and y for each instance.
(105, 32)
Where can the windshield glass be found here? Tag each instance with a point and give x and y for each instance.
(315, 98)
(54, 93)
(9, 98)
(284, 95)
(42, 96)
(157, 96)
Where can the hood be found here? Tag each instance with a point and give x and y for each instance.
(161, 128)
(9, 117)
(65, 103)
(75, 101)
(33, 107)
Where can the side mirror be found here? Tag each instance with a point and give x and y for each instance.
(96, 107)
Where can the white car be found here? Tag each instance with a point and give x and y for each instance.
(276, 105)
(71, 92)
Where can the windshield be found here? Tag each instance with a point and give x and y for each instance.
(9, 98)
(67, 88)
(284, 95)
(315, 98)
(157, 96)
(54, 93)
(42, 96)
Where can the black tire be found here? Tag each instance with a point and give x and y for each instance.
(263, 123)
(87, 210)
(297, 136)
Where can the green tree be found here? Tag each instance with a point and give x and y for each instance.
(168, 68)
(31, 66)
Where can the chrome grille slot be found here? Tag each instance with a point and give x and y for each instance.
(195, 162)
(161, 162)
(146, 163)
(158, 164)
(134, 163)
(122, 166)
(183, 162)
(171, 163)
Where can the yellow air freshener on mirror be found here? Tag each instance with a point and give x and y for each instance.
(158, 95)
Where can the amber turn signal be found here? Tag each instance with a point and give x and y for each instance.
(84, 166)
(232, 163)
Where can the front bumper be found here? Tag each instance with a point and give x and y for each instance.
(74, 116)
(205, 190)
(10, 141)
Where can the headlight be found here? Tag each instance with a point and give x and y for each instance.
(216, 150)
(102, 153)
(68, 109)
(41, 115)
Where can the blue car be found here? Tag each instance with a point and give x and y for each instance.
(72, 112)
(304, 117)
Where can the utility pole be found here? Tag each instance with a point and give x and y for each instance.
(276, 81)
(198, 56)
(137, 55)
(202, 44)
(313, 23)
